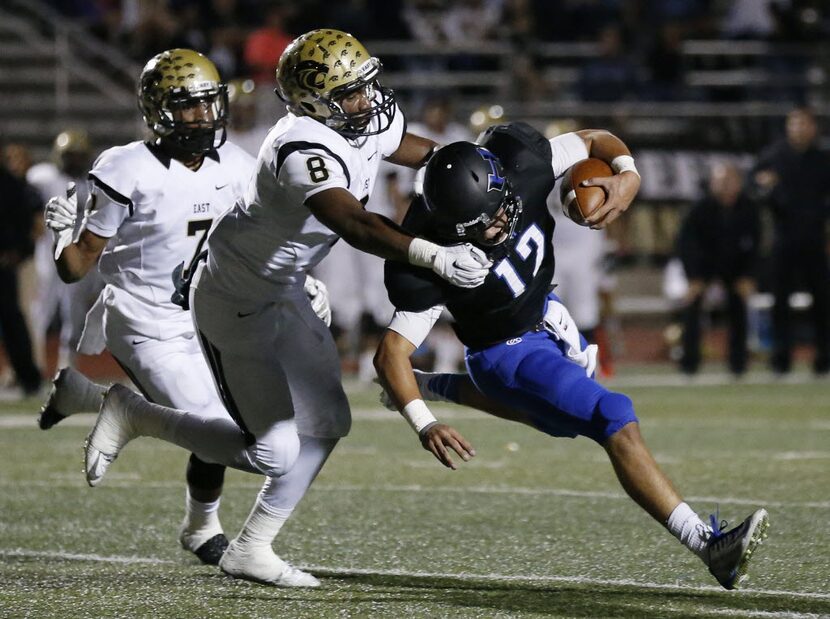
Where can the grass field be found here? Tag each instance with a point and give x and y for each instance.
(532, 527)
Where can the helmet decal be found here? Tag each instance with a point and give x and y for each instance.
(495, 181)
(312, 74)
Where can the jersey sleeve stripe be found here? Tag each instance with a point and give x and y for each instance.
(112, 194)
(291, 147)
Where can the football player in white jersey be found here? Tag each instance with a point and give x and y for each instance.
(273, 359)
(150, 207)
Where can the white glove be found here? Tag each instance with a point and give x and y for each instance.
(59, 215)
(318, 294)
(559, 322)
(463, 265)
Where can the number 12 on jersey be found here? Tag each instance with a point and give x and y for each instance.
(506, 271)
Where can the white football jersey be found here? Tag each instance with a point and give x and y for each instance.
(270, 238)
(156, 213)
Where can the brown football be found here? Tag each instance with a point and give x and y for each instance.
(579, 202)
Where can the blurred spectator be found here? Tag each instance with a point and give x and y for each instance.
(574, 19)
(245, 129)
(71, 158)
(424, 20)
(719, 241)
(264, 46)
(664, 61)
(18, 207)
(792, 175)
(154, 30)
(189, 33)
(472, 21)
(748, 19)
(612, 76)
(227, 23)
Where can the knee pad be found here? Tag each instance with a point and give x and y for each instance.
(613, 411)
(277, 449)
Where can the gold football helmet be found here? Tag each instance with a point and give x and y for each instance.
(172, 85)
(318, 69)
(72, 151)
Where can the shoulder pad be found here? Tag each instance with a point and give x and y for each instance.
(507, 139)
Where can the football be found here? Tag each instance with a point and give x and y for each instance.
(579, 202)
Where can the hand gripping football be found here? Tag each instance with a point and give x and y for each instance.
(579, 202)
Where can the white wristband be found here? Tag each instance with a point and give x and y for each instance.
(624, 163)
(422, 253)
(418, 415)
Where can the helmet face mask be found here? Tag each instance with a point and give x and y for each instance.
(184, 101)
(318, 73)
(469, 197)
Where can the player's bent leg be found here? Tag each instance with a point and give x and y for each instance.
(71, 393)
(126, 415)
(201, 532)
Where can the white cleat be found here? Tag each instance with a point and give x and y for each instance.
(262, 565)
(728, 553)
(68, 396)
(113, 429)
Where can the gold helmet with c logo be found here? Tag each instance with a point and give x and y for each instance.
(319, 68)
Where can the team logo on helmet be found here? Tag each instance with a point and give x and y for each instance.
(495, 182)
(311, 74)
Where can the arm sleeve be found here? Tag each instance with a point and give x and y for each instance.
(415, 326)
(566, 150)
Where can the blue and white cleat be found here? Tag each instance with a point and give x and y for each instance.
(728, 553)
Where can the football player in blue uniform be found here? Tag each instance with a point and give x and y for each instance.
(525, 357)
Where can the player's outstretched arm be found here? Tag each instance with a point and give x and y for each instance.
(462, 265)
(395, 373)
(621, 188)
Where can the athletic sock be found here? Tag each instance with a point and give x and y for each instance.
(201, 516)
(263, 524)
(687, 527)
(78, 395)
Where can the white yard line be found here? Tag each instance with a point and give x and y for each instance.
(328, 570)
(131, 481)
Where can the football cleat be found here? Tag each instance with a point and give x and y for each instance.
(67, 397)
(113, 429)
(208, 543)
(728, 553)
(260, 564)
(211, 551)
